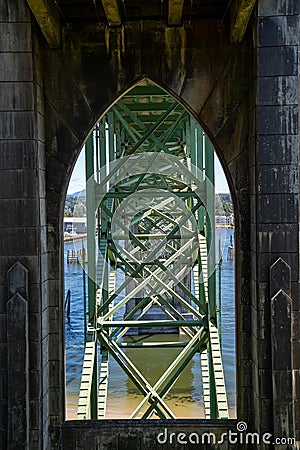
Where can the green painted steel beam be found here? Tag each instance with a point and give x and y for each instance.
(212, 386)
(210, 226)
(86, 383)
(128, 127)
(121, 195)
(205, 374)
(190, 331)
(199, 347)
(151, 106)
(132, 313)
(200, 166)
(103, 384)
(147, 91)
(139, 316)
(119, 290)
(154, 274)
(148, 119)
(90, 204)
(136, 121)
(179, 284)
(157, 275)
(153, 344)
(151, 236)
(180, 360)
(111, 134)
(153, 128)
(219, 404)
(134, 374)
(91, 249)
(104, 364)
(147, 323)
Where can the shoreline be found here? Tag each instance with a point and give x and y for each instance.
(229, 227)
(122, 407)
(76, 237)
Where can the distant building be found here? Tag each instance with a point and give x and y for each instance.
(75, 225)
(223, 221)
(220, 220)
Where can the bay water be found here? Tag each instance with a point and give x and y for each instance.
(186, 397)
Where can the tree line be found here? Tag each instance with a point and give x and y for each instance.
(76, 206)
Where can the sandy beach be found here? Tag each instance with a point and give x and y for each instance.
(122, 407)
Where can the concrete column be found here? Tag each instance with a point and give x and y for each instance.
(22, 218)
(281, 343)
(281, 329)
(18, 358)
(275, 188)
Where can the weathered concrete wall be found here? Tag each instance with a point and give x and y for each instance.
(245, 96)
(137, 434)
(200, 68)
(22, 198)
(275, 208)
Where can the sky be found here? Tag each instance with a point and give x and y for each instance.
(220, 179)
(77, 182)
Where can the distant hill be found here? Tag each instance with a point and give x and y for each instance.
(224, 205)
(225, 197)
(78, 194)
(76, 204)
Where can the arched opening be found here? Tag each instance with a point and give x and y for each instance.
(150, 320)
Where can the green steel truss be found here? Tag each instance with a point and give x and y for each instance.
(156, 228)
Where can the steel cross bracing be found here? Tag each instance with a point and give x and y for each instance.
(150, 216)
